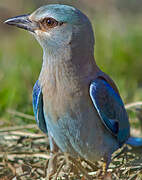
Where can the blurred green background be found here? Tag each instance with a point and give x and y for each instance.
(118, 51)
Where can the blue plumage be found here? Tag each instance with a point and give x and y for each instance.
(38, 107)
(110, 108)
(134, 141)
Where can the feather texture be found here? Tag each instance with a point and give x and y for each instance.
(110, 109)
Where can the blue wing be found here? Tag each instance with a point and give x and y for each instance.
(110, 109)
(134, 141)
(38, 107)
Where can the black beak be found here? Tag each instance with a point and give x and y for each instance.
(23, 22)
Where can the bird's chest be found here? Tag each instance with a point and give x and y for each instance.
(60, 101)
(64, 110)
(61, 92)
(71, 120)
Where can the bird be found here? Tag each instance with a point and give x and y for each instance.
(75, 103)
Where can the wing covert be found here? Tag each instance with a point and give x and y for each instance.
(110, 108)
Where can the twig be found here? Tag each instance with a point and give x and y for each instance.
(31, 135)
(124, 150)
(13, 169)
(131, 105)
(59, 169)
(81, 169)
(20, 114)
(13, 155)
(92, 165)
(18, 152)
(15, 128)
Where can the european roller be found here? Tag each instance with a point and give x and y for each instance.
(74, 102)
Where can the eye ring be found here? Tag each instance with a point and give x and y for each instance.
(48, 23)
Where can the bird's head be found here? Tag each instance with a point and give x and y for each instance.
(57, 26)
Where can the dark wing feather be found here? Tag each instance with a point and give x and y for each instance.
(111, 109)
(38, 107)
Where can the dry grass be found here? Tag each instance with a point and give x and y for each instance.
(25, 155)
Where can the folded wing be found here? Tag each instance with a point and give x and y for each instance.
(38, 107)
(111, 109)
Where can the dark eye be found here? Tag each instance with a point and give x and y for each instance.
(48, 23)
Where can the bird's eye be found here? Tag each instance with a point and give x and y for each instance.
(48, 23)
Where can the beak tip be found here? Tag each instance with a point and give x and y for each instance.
(6, 21)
